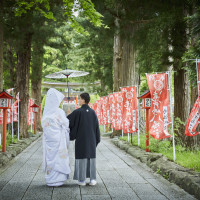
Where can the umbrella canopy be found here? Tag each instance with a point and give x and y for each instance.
(67, 73)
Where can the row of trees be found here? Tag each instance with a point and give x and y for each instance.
(156, 36)
(137, 37)
(25, 27)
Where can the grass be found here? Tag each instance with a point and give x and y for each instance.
(184, 157)
(9, 140)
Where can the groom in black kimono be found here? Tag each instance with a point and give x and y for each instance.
(84, 129)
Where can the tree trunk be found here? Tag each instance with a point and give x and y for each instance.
(1, 45)
(117, 57)
(1, 52)
(11, 64)
(23, 73)
(181, 87)
(36, 77)
(126, 71)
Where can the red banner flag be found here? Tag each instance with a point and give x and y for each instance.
(30, 112)
(129, 109)
(193, 120)
(112, 109)
(1, 116)
(194, 117)
(9, 116)
(105, 109)
(160, 110)
(15, 114)
(118, 111)
(99, 111)
(95, 107)
(91, 106)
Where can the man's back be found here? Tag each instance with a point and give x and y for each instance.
(84, 128)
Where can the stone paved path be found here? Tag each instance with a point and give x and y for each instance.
(119, 177)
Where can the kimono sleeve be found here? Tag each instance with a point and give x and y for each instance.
(63, 119)
(97, 132)
(65, 124)
(73, 124)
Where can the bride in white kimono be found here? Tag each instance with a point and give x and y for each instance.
(55, 140)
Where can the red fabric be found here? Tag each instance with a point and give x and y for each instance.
(105, 110)
(30, 112)
(193, 119)
(9, 116)
(15, 114)
(159, 117)
(112, 109)
(90, 105)
(9, 90)
(117, 125)
(129, 109)
(1, 116)
(99, 112)
(95, 107)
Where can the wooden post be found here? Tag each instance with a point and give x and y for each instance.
(147, 130)
(4, 130)
(35, 123)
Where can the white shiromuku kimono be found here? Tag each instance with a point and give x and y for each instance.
(55, 140)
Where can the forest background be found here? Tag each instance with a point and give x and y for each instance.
(116, 41)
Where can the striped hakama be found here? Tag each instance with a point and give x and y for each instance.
(85, 168)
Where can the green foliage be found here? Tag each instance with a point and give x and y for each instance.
(92, 53)
(86, 8)
(43, 102)
(9, 139)
(22, 7)
(94, 97)
(158, 171)
(178, 124)
(193, 51)
(184, 157)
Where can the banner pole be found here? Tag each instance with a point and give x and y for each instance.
(197, 69)
(197, 76)
(172, 119)
(12, 121)
(122, 133)
(18, 119)
(138, 118)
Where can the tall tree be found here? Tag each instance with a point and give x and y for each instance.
(24, 11)
(1, 45)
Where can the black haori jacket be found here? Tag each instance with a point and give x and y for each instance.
(84, 129)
